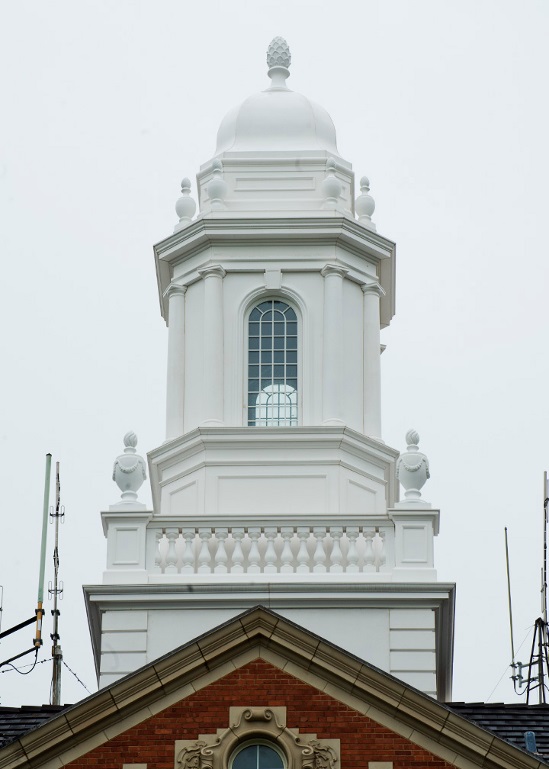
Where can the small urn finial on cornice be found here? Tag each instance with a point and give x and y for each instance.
(185, 207)
(217, 187)
(279, 59)
(412, 470)
(365, 205)
(129, 471)
(331, 186)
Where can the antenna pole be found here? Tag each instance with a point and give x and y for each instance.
(56, 652)
(509, 598)
(544, 571)
(39, 608)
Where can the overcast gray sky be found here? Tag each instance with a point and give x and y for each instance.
(106, 105)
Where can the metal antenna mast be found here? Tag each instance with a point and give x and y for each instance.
(538, 666)
(509, 600)
(56, 591)
(544, 567)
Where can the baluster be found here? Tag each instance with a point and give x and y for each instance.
(270, 553)
(378, 545)
(287, 556)
(238, 555)
(221, 554)
(188, 554)
(179, 548)
(352, 553)
(319, 556)
(254, 556)
(158, 559)
(336, 557)
(303, 554)
(171, 558)
(204, 558)
(368, 551)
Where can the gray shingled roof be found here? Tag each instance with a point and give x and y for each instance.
(509, 721)
(14, 722)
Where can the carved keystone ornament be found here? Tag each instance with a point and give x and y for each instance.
(267, 725)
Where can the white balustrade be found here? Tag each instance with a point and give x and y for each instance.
(238, 553)
(171, 557)
(336, 554)
(319, 557)
(221, 554)
(269, 549)
(187, 565)
(254, 556)
(204, 557)
(352, 553)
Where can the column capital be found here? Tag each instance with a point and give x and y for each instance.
(373, 288)
(333, 269)
(174, 290)
(212, 271)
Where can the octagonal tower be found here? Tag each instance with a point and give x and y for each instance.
(274, 485)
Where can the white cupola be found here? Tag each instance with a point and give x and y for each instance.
(277, 119)
(273, 149)
(273, 484)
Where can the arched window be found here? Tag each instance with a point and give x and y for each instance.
(272, 365)
(258, 755)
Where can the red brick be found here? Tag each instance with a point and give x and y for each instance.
(259, 683)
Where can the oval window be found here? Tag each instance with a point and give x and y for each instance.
(257, 756)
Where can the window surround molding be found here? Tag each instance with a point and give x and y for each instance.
(300, 751)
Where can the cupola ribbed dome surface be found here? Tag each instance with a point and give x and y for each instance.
(277, 119)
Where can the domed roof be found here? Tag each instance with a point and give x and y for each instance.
(277, 119)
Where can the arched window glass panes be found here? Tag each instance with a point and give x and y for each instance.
(272, 365)
(257, 757)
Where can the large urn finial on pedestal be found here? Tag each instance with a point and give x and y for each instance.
(412, 470)
(129, 470)
(279, 59)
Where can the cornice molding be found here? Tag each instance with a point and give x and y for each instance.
(247, 232)
(209, 231)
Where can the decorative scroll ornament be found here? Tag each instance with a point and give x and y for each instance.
(195, 756)
(185, 207)
(412, 469)
(214, 751)
(365, 205)
(318, 756)
(129, 469)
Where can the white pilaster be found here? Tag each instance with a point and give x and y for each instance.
(372, 363)
(213, 344)
(175, 391)
(333, 276)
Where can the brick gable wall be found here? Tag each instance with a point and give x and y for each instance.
(259, 684)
